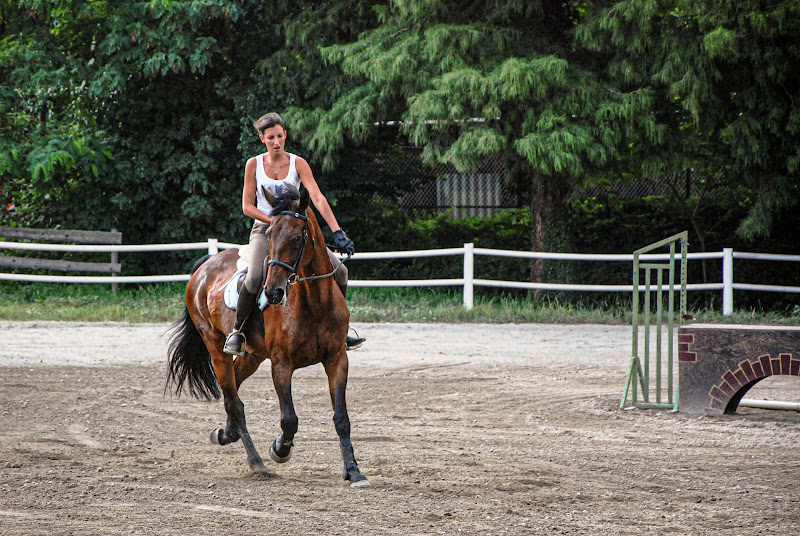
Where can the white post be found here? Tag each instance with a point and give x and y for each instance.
(727, 281)
(469, 268)
(114, 260)
(213, 246)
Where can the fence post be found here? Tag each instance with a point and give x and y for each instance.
(727, 281)
(469, 268)
(114, 260)
(213, 246)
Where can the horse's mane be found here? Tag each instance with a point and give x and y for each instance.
(283, 197)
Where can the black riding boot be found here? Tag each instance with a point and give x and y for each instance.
(235, 343)
(352, 342)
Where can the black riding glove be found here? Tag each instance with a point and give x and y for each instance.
(343, 243)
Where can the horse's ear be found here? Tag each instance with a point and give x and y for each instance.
(304, 198)
(268, 195)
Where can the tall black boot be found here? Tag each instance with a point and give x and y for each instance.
(235, 343)
(354, 342)
(351, 342)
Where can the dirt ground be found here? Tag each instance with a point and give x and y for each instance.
(461, 429)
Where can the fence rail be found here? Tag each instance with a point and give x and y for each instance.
(468, 281)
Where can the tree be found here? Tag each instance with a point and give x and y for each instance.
(138, 115)
(130, 106)
(727, 91)
(45, 124)
(472, 80)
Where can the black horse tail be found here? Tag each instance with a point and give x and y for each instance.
(189, 359)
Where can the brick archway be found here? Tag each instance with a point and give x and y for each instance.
(718, 364)
(734, 384)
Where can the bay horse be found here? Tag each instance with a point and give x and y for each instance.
(305, 323)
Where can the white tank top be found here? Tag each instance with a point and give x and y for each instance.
(262, 180)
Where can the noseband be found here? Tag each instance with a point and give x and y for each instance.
(293, 270)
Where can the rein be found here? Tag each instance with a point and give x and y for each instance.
(293, 270)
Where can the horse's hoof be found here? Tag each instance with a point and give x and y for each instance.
(277, 458)
(215, 436)
(356, 478)
(258, 467)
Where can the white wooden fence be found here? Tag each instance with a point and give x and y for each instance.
(467, 253)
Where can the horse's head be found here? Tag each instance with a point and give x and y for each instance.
(288, 236)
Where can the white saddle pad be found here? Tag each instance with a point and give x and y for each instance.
(231, 290)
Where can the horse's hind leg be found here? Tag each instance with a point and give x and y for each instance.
(236, 426)
(337, 383)
(244, 367)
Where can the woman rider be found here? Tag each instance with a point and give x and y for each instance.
(267, 170)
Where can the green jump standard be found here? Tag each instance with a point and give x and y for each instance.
(718, 364)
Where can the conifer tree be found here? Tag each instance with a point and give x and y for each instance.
(472, 80)
(726, 88)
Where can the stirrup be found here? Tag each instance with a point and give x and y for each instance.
(231, 347)
(351, 343)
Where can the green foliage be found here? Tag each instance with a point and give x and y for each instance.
(136, 115)
(609, 225)
(727, 84)
(392, 230)
(504, 65)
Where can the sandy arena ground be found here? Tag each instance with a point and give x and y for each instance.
(461, 429)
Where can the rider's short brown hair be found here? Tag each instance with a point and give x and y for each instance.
(266, 121)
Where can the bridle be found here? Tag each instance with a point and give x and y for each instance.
(294, 270)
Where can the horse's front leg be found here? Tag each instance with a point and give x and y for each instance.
(336, 370)
(281, 449)
(236, 427)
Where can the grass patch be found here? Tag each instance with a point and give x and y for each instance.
(709, 316)
(443, 306)
(164, 302)
(91, 303)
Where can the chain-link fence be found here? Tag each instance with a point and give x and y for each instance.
(486, 191)
(681, 184)
(479, 193)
